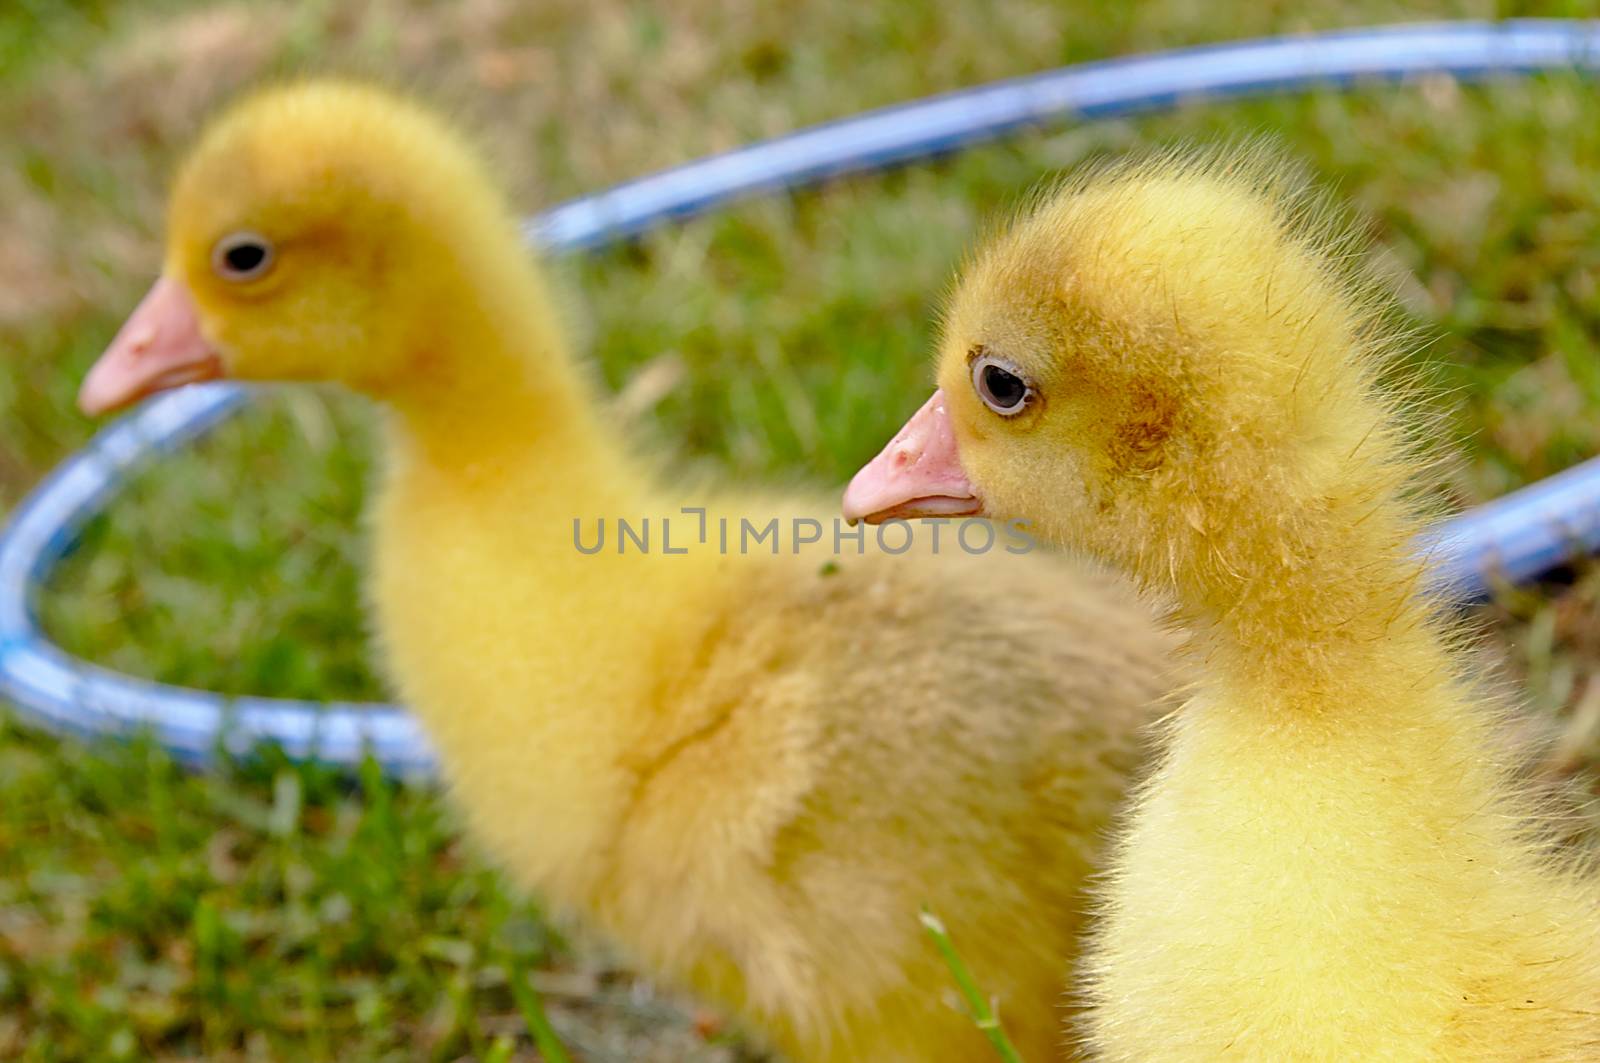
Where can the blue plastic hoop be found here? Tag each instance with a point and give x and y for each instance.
(1514, 538)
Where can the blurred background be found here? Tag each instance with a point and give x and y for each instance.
(273, 911)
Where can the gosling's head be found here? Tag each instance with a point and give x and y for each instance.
(321, 231)
(1147, 358)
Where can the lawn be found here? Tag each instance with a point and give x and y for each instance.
(274, 911)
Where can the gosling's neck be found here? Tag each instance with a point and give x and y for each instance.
(1315, 612)
(1302, 590)
(493, 402)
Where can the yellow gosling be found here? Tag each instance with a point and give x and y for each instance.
(749, 770)
(1170, 365)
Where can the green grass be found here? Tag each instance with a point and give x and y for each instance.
(270, 911)
(980, 1007)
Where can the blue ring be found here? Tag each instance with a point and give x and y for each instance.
(1515, 538)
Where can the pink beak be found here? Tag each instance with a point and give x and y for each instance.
(917, 475)
(158, 348)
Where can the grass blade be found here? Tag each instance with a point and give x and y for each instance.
(983, 1015)
(531, 1004)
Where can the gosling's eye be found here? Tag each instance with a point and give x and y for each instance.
(242, 256)
(1000, 385)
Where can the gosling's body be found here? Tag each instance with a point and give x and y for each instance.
(1403, 910)
(1333, 860)
(751, 770)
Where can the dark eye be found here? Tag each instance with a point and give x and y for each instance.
(1000, 385)
(242, 256)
